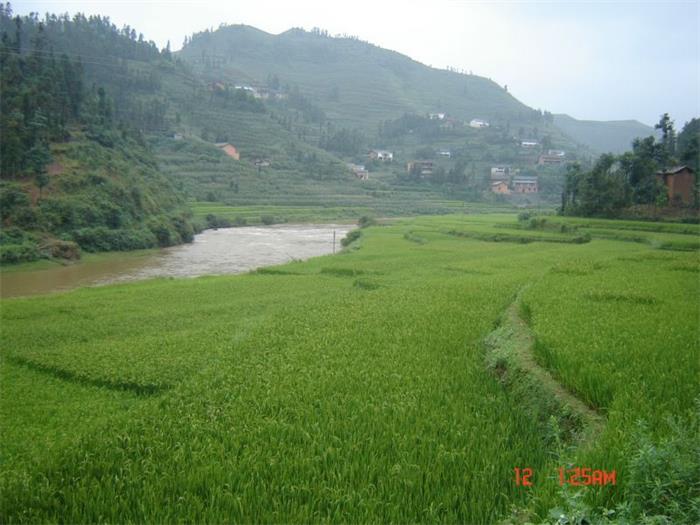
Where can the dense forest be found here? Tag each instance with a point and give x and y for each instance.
(617, 182)
(76, 171)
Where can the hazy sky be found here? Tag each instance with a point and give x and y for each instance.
(593, 60)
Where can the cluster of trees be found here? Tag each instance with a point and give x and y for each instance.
(615, 182)
(310, 111)
(344, 141)
(107, 56)
(40, 95)
(423, 127)
(238, 99)
(109, 194)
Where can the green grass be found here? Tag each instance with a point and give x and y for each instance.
(348, 388)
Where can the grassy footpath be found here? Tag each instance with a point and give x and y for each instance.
(348, 388)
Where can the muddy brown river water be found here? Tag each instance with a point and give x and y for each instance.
(213, 252)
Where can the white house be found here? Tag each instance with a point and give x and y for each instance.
(500, 172)
(381, 155)
(529, 144)
(436, 116)
(478, 123)
(445, 153)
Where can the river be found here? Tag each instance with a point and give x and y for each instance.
(213, 252)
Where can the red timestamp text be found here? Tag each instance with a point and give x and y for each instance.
(578, 477)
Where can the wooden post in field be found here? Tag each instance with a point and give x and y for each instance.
(333, 241)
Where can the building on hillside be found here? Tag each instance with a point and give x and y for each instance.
(556, 152)
(500, 187)
(478, 123)
(262, 163)
(359, 171)
(529, 143)
(445, 153)
(421, 167)
(381, 155)
(679, 182)
(229, 149)
(436, 116)
(550, 159)
(525, 184)
(501, 172)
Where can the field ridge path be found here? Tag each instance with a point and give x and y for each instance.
(510, 353)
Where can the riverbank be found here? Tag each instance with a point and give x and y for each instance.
(212, 252)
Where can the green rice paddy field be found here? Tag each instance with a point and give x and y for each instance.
(356, 387)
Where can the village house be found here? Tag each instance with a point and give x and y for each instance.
(550, 159)
(478, 123)
(500, 187)
(262, 163)
(445, 153)
(381, 155)
(529, 144)
(229, 149)
(423, 167)
(436, 116)
(679, 182)
(556, 152)
(525, 184)
(359, 171)
(500, 172)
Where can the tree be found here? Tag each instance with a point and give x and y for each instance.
(668, 135)
(41, 180)
(688, 144)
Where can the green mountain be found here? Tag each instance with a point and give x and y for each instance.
(355, 83)
(348, 96)
(612, 136)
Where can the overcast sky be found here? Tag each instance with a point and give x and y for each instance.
(593, 60)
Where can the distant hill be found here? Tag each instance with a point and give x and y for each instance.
(613, 136)
(354, 82)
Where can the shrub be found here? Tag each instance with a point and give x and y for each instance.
(12, 197)
(16, 253)
(62, 250)
(267, 219)
(240, 221)
(183, 227)
(537, 224)
(13, 235)
(351, 237)
(215, 221)
(101, 239)
(366, 221)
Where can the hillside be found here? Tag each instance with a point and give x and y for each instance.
(354, 82)
(75, 173)
(347, 96)
(613, 136)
